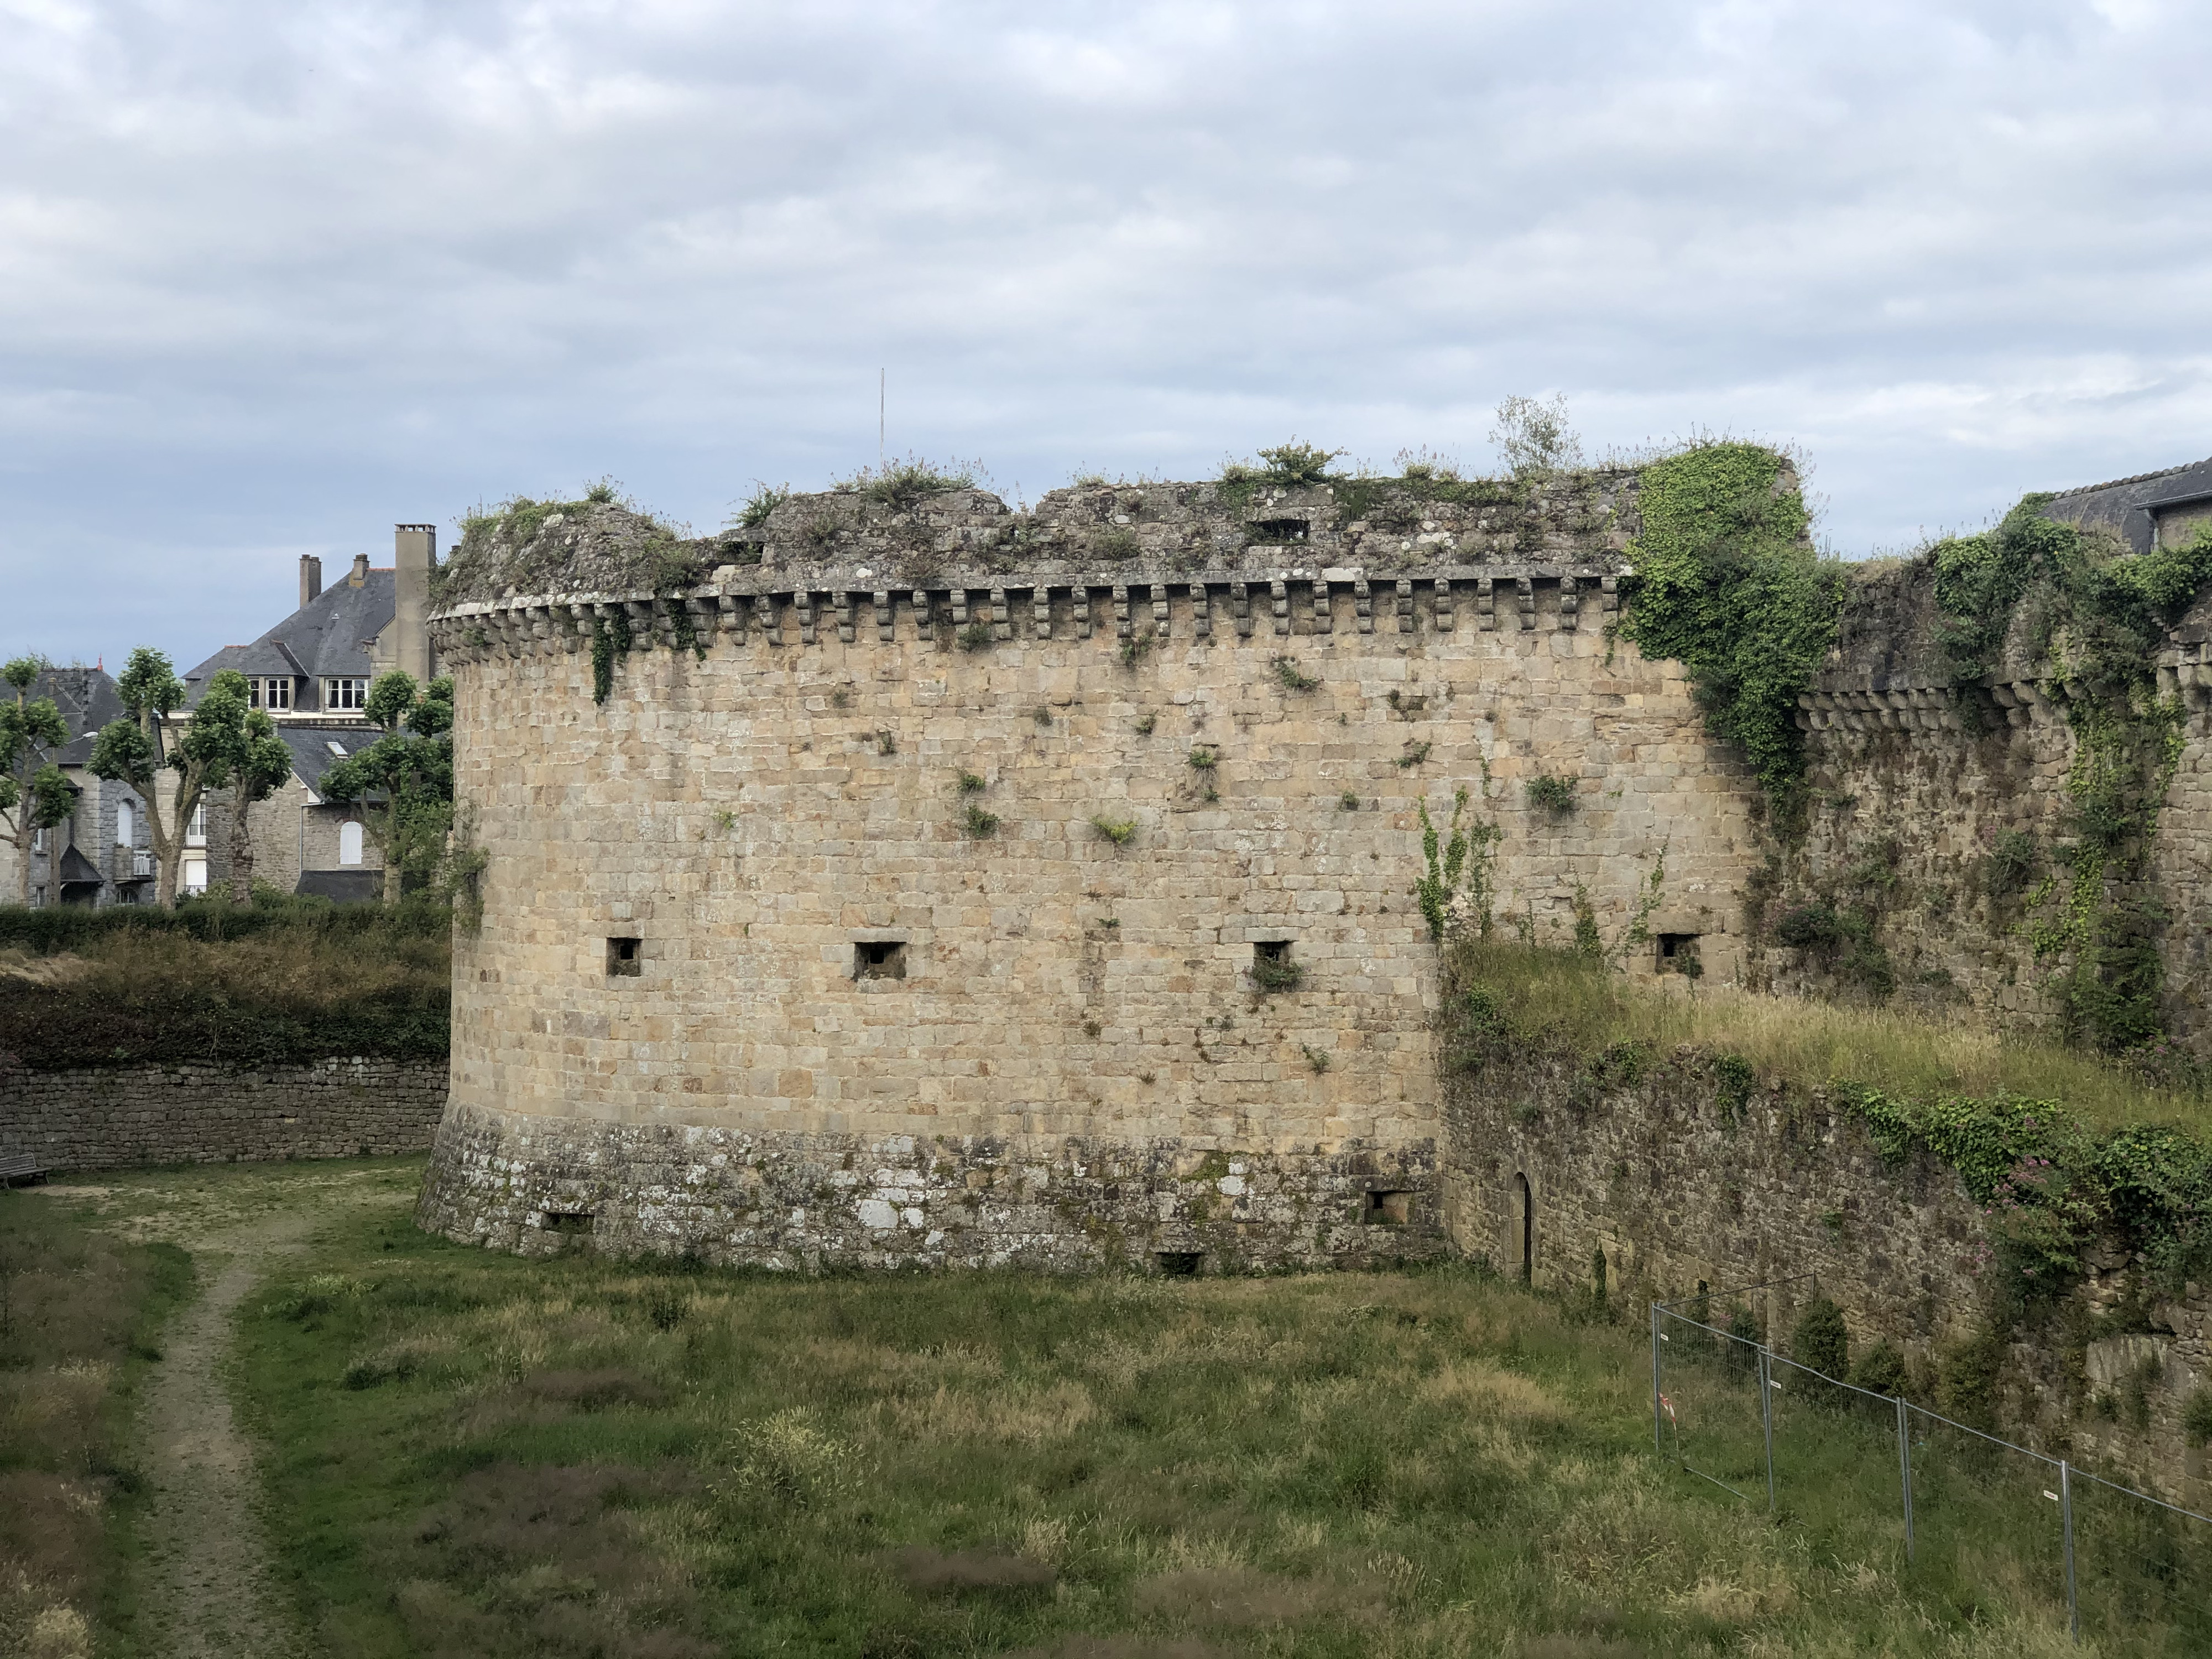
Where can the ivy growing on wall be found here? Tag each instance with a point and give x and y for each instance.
(1727, 583)
(2092, 615)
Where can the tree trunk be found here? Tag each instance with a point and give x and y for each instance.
(23, 856)
(241, 849)
(391, 878)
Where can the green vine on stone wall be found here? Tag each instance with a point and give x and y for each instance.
(1727, 583)
(2100, 615)
(1460, 855)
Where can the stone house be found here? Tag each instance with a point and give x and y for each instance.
(102, 855)
(312, 673)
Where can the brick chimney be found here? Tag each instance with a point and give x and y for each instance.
(359, 576)
(311, 579)
(414, 554)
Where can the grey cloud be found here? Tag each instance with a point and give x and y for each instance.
(273, 276)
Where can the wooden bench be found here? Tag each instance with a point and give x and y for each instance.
(20, 1166)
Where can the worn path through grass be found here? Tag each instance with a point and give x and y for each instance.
(203, 1580)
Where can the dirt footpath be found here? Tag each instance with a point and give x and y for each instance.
(205, 1588)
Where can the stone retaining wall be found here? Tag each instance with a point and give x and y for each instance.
(1680, 1191)
(107, 1118)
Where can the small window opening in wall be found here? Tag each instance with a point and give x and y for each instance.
(1389, 1209)
(1278, 532)
(572, 1222)
(879, 958)
(1179, 1264)
(625, 958)
(1678, 954)
(1524, 1201)
(1273, 967)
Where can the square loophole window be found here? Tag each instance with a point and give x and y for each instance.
(1389, 1209)
(625, 958)
(879, 958)
(1179, 1264)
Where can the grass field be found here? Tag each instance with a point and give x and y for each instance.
(80, 1312)
(474, 1455)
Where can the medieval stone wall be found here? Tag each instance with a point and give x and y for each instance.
(1680, 1194)
(110, 1118)
(1914, 779)
(761, 816)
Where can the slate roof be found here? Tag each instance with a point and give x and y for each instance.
(2123, 506)
(328, 635)
(311, 754)
(87, 700)
(76, 869)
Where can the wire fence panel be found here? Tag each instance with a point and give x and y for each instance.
(1989, 1519)
(1709, 1403)
(1838, 1452)
(2143, 1568)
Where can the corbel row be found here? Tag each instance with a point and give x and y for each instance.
(1283, 607)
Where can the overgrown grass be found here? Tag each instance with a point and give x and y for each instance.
(279, 983)
(79, 1313)
(1561, 1001)
(482, 1455)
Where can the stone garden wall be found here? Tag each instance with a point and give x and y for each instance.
(100, 1119)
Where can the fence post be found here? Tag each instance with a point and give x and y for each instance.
(1905, 1471)
(2066, 1520)
(1658, 1434)
(1766, 1418)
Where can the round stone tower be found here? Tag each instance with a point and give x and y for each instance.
(907, 878)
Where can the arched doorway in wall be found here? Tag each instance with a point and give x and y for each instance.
(1524, 1227)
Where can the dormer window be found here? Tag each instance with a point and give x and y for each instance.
(349, 694)
(269, 693)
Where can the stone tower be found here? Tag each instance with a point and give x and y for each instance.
(907, 878)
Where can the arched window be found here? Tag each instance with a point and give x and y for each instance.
(350, 842)
(126, 826)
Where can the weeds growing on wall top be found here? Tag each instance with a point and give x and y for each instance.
(902, 485)
(1727, 583)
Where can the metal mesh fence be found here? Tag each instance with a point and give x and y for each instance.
(1972, 1518)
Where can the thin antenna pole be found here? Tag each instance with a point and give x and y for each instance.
(882, 384)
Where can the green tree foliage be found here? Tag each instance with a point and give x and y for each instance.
(254, 762)
(402, 785)
(1727, 583)
(141, 750)
(34, 794)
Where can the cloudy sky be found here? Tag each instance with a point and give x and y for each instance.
(274, 275)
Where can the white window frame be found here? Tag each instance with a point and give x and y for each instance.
(196, 831)
(351, 833)
(126, 824)
(346, 694)
(193, 876)
(277, 695)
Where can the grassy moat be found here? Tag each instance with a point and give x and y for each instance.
(470, 1454)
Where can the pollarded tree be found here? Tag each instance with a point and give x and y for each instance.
(139, 748)
(253, 758)
(403, 783)
(34, 794)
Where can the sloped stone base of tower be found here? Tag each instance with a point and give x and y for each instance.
(541, 1185)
